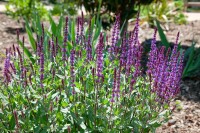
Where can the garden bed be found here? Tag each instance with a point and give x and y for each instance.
(186, 118)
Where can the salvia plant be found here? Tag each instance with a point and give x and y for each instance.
(81, 80)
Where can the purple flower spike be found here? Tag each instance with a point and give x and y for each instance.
(65, 41)
(88, 44)
(41, 64)
(78, 30)
(165, 72)
(53, 49)
(6, 72)
(81, 25)
(99, 61)
(72, 61)
(115, 37)
(152, 54)
(13, 68)
(123, 55)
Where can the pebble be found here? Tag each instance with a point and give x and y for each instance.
(171, 122)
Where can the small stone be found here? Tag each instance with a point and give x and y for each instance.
(171, 122)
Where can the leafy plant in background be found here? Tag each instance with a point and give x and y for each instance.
(74, 82)
(191, 55)
(107, 8)
(165, 11)
(67, 7)
(25, 9)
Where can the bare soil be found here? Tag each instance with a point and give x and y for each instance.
(186, 117)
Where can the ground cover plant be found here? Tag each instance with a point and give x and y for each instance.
(81, 80)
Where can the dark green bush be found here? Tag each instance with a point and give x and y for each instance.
(126, 8)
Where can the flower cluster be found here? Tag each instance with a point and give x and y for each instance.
(99, 53)
(65, 41)
(165, 71)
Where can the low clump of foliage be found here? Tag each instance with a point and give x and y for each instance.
(68, 7)
(164, 11)
(25, 9)
(80, 80)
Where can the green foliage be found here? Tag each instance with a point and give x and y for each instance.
(25, 8)
(68, 7)
(25, 106)
(192, 55)
(193, 61)
(165, 11)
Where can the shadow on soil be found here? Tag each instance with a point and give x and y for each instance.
(13, 31)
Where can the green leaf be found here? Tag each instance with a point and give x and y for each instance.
(31, 39)
(53, 25)
(27, 52)
(60, 29)
(69, 47)
(37, 23)
(162, 35)
(73, 30)
(189, 62)
(12, 122)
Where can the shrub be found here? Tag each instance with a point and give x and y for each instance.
(107, 8)
(165, 11)
(25, 9)
(83, 84)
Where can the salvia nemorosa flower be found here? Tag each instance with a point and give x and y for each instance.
(115, 37)
(6, 72)
(16, 118)
(13, 68)
(165, 71)
(81, 25)
(21, 63)
(123, 54)
(152, 54)
(65, 41)
(99, 61)
(53, 49)
(72, 74)
(78, 30)
(41, 64)
(88, 43)
(132, 52)
(14, 50)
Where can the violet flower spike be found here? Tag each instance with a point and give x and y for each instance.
(41, 64)
(115, 37)
(88, 44)
(6, 73)
(65, 42)
(72, 74)
(99, 61)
